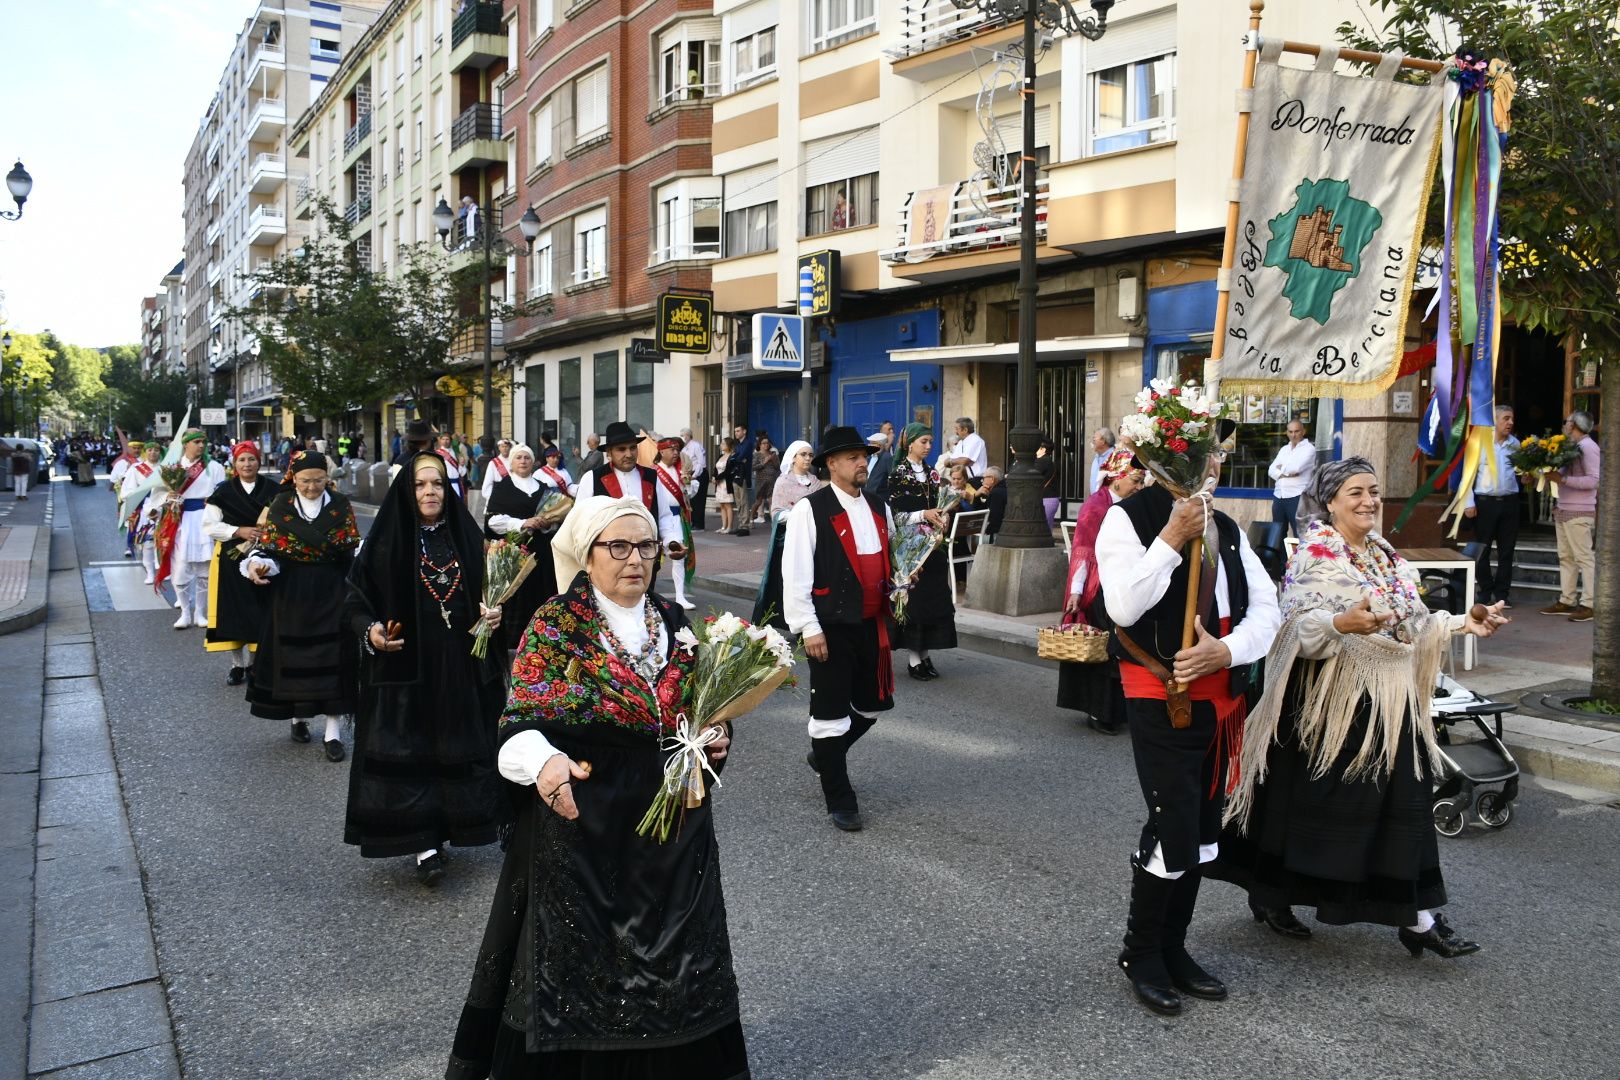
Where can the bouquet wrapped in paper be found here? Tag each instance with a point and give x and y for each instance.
(1539, 455)
(736, 666)
(554, 506)
(910, 548)
(1173, 432)
(173, 477)
(506, 567)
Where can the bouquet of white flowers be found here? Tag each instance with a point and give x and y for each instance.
(736, 667)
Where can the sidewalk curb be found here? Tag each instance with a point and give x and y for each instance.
(31, 612)
(1551, 759)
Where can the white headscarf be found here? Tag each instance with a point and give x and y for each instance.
(792, 450)
(571, 547)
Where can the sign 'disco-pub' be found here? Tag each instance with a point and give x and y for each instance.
(683, 322)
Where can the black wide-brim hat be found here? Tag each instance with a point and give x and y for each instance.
(835, 439)
(418, 431)
(618, 433)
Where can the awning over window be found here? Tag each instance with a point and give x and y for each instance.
(1059, 348)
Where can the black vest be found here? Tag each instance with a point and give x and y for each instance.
(649, 485)
(1158, 631)
(835, 591)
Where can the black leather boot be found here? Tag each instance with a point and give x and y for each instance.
(1439, 939)
(1142, 959)
(1185, 974)
(1282, 920)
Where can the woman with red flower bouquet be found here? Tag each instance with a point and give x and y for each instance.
(606, 953)
(305, 666)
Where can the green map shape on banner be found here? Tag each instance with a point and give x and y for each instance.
(1318, 244)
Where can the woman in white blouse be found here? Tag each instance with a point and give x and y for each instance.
(514, 512)
(604, 954)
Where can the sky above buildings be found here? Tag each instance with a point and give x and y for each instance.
(100, 99)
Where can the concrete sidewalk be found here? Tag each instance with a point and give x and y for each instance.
(1532, 656)
(25, 547)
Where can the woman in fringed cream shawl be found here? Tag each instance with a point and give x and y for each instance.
(1332, 806)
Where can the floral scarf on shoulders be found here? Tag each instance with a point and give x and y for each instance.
(1372, 693)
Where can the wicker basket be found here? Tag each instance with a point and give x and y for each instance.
(1074, 644)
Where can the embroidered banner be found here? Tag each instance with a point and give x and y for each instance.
(1329, 231)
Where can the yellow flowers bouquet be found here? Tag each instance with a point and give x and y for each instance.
(1539, 455)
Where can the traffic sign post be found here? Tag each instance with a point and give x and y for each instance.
(778, 342)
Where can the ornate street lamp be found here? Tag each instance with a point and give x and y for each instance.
(1024, 528)
(444, 220)
(19, 183)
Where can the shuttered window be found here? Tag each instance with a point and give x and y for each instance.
(751, 187)
(1133, 39)
(591, 104)
(840, 157)
(540, 146)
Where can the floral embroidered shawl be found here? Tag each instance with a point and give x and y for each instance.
(564, 676)
(1383, 679)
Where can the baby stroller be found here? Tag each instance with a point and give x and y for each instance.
(1467, 766)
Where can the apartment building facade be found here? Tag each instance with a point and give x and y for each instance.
(890, 133)
(410, 118)
(607, 120)
(237, 188)
(162, 345)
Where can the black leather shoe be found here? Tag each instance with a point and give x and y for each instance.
(300, 731)
(237, 677)
(1190, 979)
(1160, 999)
(928, 666)
(1281, 920)
(850, 822)
(1439, 939)
(810, 760)
(1098, 726)
(430, 870)
(334, 750)
(919, 672)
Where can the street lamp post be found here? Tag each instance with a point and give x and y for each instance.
(1013, 578)
(19, 183)
(443, 220)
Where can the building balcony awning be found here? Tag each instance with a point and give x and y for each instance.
(1047, 349)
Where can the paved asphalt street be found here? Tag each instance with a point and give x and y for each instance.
(968, 932)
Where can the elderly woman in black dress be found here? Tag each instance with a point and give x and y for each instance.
(424, 738)
(1333, 806)
(930, 612)
(606, 955)
(514, 513)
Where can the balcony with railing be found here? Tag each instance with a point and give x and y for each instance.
(266, 225)
(268, 118)
(469, 344)
(215, 183)
(962, 230)
(356, 138)
(357, 211)
(477, 37)
(475, 138)
(937, 38)
(267, 173)
(268, 57)
(212, 231)
(216, 270)
(303, 198)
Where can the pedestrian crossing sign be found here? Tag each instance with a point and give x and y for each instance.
(778, 342)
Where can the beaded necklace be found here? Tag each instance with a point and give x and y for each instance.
(447, 575)
(643, 661)
(1384, 580)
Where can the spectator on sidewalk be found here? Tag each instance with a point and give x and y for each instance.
(1574, 518)
(877, 473)
(992, 496)
(1102, 444)
(969, 450)
(590, 458)
(698, 461)
(1291, 469)
(745, 454)
(1493, 505)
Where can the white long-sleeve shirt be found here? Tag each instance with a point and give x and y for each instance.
(1292, 469)
(526, 753)
(503, 523)
(493, 475)
(695, 454)
(970, 446)
(214, 526)
(669, 511)
(799, 555)
(1134, 578)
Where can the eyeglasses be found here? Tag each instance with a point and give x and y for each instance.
(620, 549)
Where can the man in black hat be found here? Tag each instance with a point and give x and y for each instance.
(621, 478)
(835, 565)
(1185, 707)
(418, 440)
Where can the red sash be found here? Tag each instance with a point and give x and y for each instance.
(873, 572)
(674, 488)
(193, 471)
(143, 468)
(454, 472)
(611, 485)
(1215, 688)
(562, 483)
(499, 465)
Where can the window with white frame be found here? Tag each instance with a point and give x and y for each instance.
(1133, 104)
(750, 210)
(439, 117)
(590, 246)
(591, 104)
(753, 58)
(833, 22)
(689, 61)
(840, 182)
(687, 217)
(540, 151)
(541, 17)
(540, 266)
(418, 40)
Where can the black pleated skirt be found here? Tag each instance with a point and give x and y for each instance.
(720, 1055)
(1093, 689)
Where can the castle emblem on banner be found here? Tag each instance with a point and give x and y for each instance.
(1321, 250)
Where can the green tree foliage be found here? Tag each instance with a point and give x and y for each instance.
(434, 307)
(317, 319)
(1560, 200)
